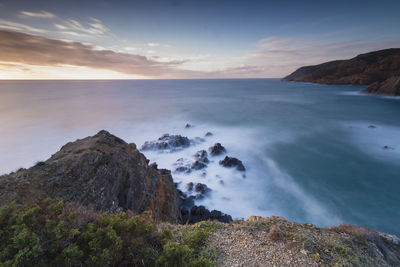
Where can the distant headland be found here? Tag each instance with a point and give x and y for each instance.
(379, 69)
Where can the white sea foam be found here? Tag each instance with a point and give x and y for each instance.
(374, 140)
(231, 192)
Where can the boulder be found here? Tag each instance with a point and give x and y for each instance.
(201, 156)
(201, 188)
(217, 149)
(167, 142)
(232, 162)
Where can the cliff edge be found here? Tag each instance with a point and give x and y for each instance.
(379, 69)
(102, 172)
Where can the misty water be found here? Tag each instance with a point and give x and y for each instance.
(308, 149)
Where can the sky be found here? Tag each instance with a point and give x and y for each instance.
(102, 39)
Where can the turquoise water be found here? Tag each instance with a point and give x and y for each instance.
(309, 153)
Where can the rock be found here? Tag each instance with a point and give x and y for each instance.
(188, 126)
(154, 166)
(379, 69)
(200, 213)
(217, 149)
(390, 86)
(201, 188)
(198, 165)
(102, 172)
(183, 166)
(275, 233)
(185, 202)
(232, 162)
(208, 134)
(202, 156)
(167, 142)
(189, 186)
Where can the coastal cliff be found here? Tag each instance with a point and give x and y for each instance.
(97, 202)
(102, 172)
(379, 69)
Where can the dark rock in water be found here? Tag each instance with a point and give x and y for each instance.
(185, 202)
(188, 126)
(183, 166)
(202, 156)
(189, 186)
(198, 165)
(182, 169)
(167, 142)
(201, 188)
(102, 172)
(200, 213)
(232, 162)
(201, 160)
(217, 149)
(208, 134)
(372, 126)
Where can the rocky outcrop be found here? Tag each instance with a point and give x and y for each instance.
(217, 149)
(379, 69)
(167, 142)
(102, 172)
(200, 213)
(232, 162)
(389, 86)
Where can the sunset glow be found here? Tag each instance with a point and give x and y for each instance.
(184, 39)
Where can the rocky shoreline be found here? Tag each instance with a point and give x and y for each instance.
(380, 70)
(103, 173)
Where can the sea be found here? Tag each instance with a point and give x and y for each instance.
(322, 154)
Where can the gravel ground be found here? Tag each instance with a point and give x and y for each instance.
(275, 241)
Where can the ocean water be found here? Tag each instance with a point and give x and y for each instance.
(309, 153)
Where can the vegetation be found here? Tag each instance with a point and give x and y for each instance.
(55, 234)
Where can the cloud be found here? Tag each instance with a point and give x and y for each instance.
(281, 56)
(74, 27)
(29, 49)
(153, 44)
(14, 26)
(42, 14)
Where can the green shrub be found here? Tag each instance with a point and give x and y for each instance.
(47, 233)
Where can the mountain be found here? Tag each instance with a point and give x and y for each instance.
(379, 69)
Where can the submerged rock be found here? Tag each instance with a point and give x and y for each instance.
(232, 162)
(102, 172)
(182, 166)
(198, 165)
(167, 142)
(190, 186)
(217, 149)
(202, 189)
(202, 156)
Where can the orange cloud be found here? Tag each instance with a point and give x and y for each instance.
(29, 49)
